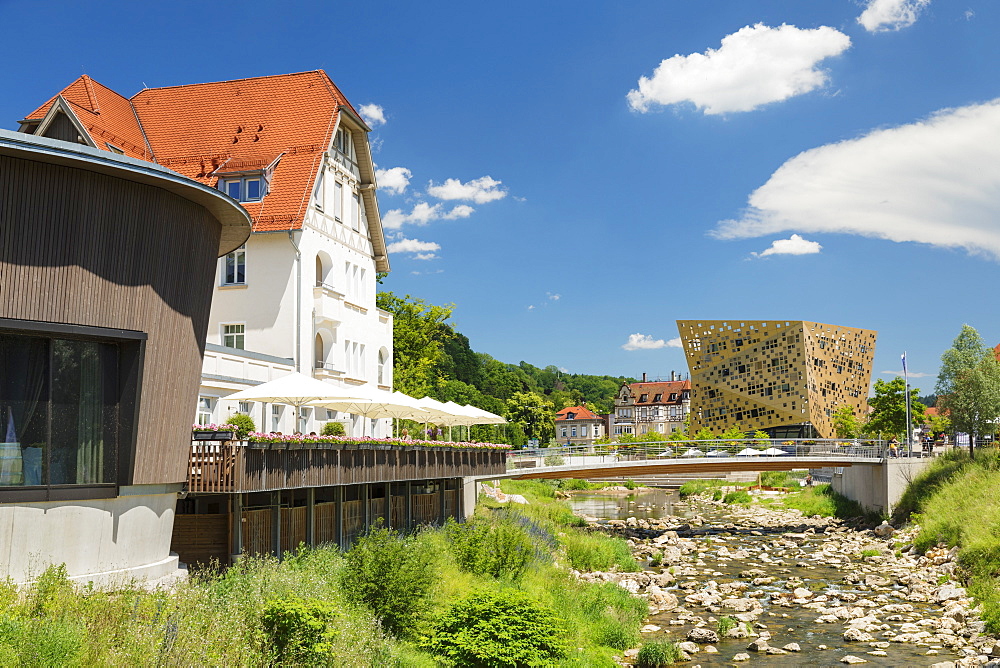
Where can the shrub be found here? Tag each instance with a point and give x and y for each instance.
(597, 552)
(42, 641)
(333, 429)
(726, 624)
(244, 425)
(630, 484)
(717, 495)
(299, 630)
(694, 487)
(496, 545)
(554, 460)
(50, 590)
(741, 497)
(498, 629)
(657, 654)
(391, 574)
(577, 484)
(774, 478)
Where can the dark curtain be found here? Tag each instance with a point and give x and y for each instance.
(23, 372)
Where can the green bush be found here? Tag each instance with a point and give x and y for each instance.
(717, 495)
(300, 630)
(657, 654)
(725, 625)
(497, 545)
(597, 552)
(554, 460)
(391, 574)
(42, 641)
(577, 484)
(498, 629)
(244, 425)
(332, 428)
(629, 484)
(775, 479)
(741, 497)
(695, 487)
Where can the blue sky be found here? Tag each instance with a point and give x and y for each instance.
(576, 176)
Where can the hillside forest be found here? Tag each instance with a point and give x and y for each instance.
(431, 358)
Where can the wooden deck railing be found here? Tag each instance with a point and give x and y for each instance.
(223, 468)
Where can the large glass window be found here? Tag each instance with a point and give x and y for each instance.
(59, 410)
(245, 189)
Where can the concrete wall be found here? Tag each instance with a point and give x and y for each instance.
(106, 541)
(878, 486)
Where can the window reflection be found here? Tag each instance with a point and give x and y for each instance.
(58, 411)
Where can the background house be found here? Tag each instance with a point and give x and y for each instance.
(578, 425)
(652, 406)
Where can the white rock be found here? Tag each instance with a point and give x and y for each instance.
(850, 658)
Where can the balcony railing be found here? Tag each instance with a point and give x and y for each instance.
(223, 468)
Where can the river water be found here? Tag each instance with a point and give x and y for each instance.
(803, 565)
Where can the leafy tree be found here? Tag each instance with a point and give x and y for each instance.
(846, 424)
(889, 408)
(704, 434)
(940, 424)
(967, 351)
(974, 401)
(534, 414)
(652, 437)
(418, 337)
(734, 433)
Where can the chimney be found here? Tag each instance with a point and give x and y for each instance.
(671, 376)
(644, 376)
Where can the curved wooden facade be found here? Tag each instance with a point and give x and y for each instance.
(93, 239)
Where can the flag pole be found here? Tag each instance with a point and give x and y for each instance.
(909, 414)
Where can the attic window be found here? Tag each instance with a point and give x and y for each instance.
(644, 398)
(248, 188)
(114, 149)
(658, 397)
(673, 396)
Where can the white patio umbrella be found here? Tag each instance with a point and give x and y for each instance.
(375, 404)
(692, 452)
(749, 452)
(774, 452)
(295, 389)
(717, 453)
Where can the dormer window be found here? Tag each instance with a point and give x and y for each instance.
(673, 396)
(244, 188)
(643, 398)
(658, 398)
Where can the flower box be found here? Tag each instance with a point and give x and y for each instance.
(212, 435)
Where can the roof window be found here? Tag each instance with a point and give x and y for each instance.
(250, 188)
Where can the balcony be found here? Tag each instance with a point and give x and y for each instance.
(328, 306)
(324, 370)
(236, 467)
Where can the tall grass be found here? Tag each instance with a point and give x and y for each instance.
(822, 500)
(695, 487)
(250, 614)
(956, 500)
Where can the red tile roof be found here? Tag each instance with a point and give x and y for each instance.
(663, 388)
(226, 126)
(579, 413)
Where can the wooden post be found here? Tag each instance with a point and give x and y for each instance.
(276, 524)
(338, 503)
(442, 507)
(388, 504)
(409, 505)
(236, 515)
(366, 502)
(311, 517)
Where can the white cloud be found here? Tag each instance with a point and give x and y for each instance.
(647, 342)
(911, 374)
(885, 15)
(425, 256)
(794, 245)
(412, 246)
(372, 113)
(531, 307)
(754, 66)
(553, 296)
(460, 211)
(423, 213)
(480, 191)
(934, 182)
(393, 180)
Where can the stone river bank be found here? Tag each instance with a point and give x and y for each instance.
(764, 585)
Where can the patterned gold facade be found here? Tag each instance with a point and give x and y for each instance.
(776, 376)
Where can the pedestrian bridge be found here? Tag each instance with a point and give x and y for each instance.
(863, 470)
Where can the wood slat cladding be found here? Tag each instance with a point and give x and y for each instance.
(89, 248)
(237, 468)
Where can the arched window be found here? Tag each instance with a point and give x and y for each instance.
(320, 352)
(383, 358)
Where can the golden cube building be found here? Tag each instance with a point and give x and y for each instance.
(783, 377)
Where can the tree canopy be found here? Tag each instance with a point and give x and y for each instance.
(888, 416)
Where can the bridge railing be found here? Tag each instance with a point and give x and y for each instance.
(719, 448)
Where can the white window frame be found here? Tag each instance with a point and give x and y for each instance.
(338, 200)
(239, 255)
(239, 336)
(205, 410)
(319, 197)
(243, 187)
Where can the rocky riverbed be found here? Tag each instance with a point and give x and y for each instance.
(764, 585)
